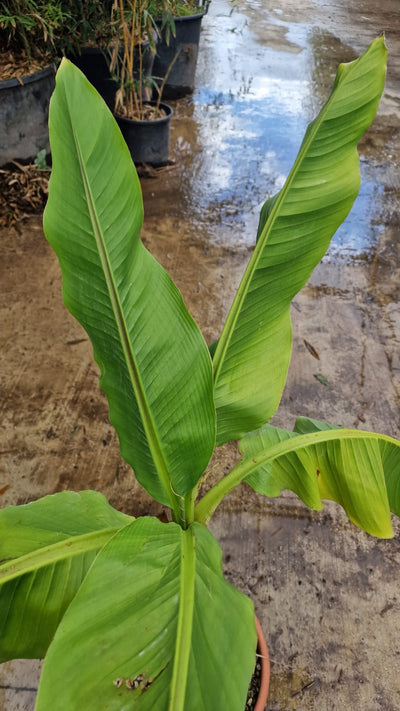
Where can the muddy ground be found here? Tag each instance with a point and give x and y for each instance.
(326, 594)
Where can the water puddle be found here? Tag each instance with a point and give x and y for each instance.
(261, 78)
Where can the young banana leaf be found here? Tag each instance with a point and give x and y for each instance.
(155, 366)
(296, 226)
(359, 470)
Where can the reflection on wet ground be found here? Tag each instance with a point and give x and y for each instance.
(261, 78)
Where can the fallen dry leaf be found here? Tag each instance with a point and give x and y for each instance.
(311, 349)
(23, 191)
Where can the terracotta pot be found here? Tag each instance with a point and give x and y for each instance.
(262, 651)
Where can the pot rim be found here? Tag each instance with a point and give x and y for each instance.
(28, 78)
(182, 18)
(265, 668)
(169, 110)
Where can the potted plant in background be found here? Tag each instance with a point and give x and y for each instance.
(31, 32)
(34, 34)
(179, 25)
(28, 30)
(145, 124)
(86, 43)
(136, 614)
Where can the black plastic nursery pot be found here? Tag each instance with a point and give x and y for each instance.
(94, 64)
(185, 45)
(148, 141)
(24, 106)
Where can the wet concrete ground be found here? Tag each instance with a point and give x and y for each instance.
(326, 594)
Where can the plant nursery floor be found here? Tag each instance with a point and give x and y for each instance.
(326, 594)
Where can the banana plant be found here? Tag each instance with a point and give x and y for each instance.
(135, 613)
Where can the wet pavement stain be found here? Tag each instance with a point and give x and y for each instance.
(247, 120)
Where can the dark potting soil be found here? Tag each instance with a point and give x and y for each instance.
(254, 687)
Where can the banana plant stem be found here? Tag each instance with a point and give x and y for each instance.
(211, 500)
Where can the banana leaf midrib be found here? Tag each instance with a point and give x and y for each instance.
(296, 442)
(54, 553)
(250, 463)
(185, 622)
(134, 374)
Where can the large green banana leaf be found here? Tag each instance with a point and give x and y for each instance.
(46, 549)
(253, 352)
(341, 465)
(389, 452)
(155, 366)
(155, 613)
(358, 470)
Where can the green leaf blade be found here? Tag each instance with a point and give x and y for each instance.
(358, 470)
(54, 518)
(391, 467)
(296, 226)
(155, 366)
(153, 627)
(47, 547)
